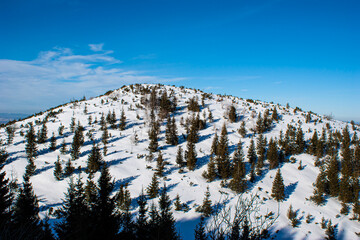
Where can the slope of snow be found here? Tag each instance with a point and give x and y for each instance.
(127, 164)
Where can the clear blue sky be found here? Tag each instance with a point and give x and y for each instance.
(301, 52)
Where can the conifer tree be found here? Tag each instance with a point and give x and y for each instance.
(333, 176)
(278, 188)
(31, 150)
(261, 151)
(58, 172)
(10, 130)
(321, 188)
(299, 142)
(252, 154)
(95, 160)
(160, 165)
(191, 156)
(177, 203)
(105, 139)
(141, 226)
(214, 145)
(210, 173)
(238, 182)
(74, 214)
(193, 105)
(346, 195)
(166, 218)
(78, 141)
(6, 197)
(63, 147)
(232, 114)
(272, 154)
(330, 231)
(43, 133)
(53, 142)
(313, 144)
(171, 131)
(179, 157)
(107, 221)
(26, 210)
(69, 168)
(274, 115)
(153, 136)
(90, 192)
(242, 129)
(153, 188)
(122, 124)
(259, 124)
(206, 208)
(223, 159)
(193, 135)
(123, 198)
(72, 125)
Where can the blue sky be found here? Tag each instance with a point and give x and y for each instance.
(305, 53)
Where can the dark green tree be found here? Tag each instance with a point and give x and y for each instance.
(206, 208)
(58, 172)
(42, 136)
(278, 188)
(160, 165)
(122, 124)
(272, 154)
(242, 130)
(232, 114)
(179, 158)
(210, 173)
(69, 169)
(261, 152)
(153, 188)
(252, 154)
(78, 141)
(300, 142)
(6, 197)
(31, 150)
(238, 182)
(214, 145)
(105, 139)
(223, 159)
(190, 155)
(95, 160)
(333, 176)
(53, 142)
(171, 131)
(141, 226)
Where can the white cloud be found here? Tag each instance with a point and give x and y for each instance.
(96, 47)
(58, 75)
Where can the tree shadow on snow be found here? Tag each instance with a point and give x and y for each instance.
(290, 189)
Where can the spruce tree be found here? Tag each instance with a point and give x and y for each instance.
(42, 137)
(171, 131)
(177, 203)
(58, 172)
(6, 197)
(26, 211)
(252, 154)
(69, 169)
(90, 192)
(123, 198)
(238, 182)
(153, 188)
(122, 124)
(153, 136)
(274, 115)
(72, 125)
(330, 231)
(160, 165)
(105, 139)
(10, 130)
(191, 156)
(278, 188)
(333, 176)
(214, 145)
(300, 142)
(193, 135)
(166, 219)
(210, 173)
(272, 154)
(206, 208)
(242, 129)
(179, 158)
(223, 159)
(78, 141)
(346, 169)
(261, 151)
(313, 144)
(95, 160)
(141, 226)
(31, 150)
(107, 221)
(53, 142)
(232, 114)
(63, 147)
(321, 188)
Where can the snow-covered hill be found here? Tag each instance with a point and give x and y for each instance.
(128, 164)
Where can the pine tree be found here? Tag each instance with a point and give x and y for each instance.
(330, 231)
(105, 139)
(141, 226)
(78, 141)
(272, 154)
(232, 114)
(321, 188)
(223, 159)
(63, 149)
(252, 154)
(193, 105)
(179, 158)
(107, 221)
(206, 208)
(238, 182)
(214, 145)
(274, 115)
(313, 144)
(259, 124)
(10, 130)
(69, 169)
(177, 203)
(160, 165)
(90, 192)
(166, 219)
(43, 133)
(26, 211)
(72, 124)
(242, 129)
(346, 169)
(278, 188)
(122, 125)
(261, 151)
(58, 173)
(300, 142)
(123, 198)
(95, 160)
(6, 197)
(53, 142)
(31, 150)
(210, 173)
(193, 135)
(171, 131)
(191, 156)
(153, 136)
(153, 188)
(333, 176)
(76, 219)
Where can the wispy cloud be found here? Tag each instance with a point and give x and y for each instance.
(96, 47)
(145, 56)
(57, 75)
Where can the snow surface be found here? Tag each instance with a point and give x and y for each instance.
(126, 165)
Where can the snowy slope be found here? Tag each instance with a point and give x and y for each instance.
(127, 164)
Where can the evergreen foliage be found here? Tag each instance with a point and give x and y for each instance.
(272, 154)
(238, 181)
(206, 208)
(179, 158)
(53, 142)
(252, 154)
(333, 176)
(223, 159)
(95, 160)
(232, 114)
(171, 131)
(214, 145)
(242, 130)
(78, 141)
(69, 169)
(31, 150)
(193, 105)
(58, 172)
(105, 139)
(191, 156)
(210, 173)
(122, 124)
(261, 152)
(160, 165)
(42, 136)
(153, 188)
(278, 188)
(6, 197)
(123, 198)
